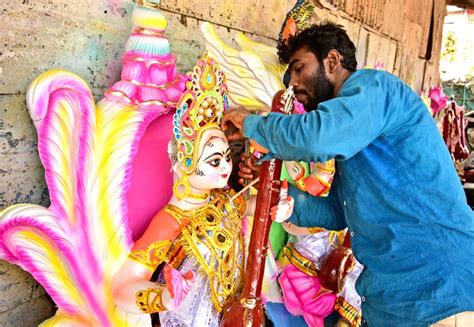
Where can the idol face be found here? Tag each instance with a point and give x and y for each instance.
(214, 165)
(309, 80)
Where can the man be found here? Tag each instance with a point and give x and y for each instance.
(395, 187)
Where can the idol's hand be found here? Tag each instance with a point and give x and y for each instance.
(177, 286)
(232, 123)
(283, 210)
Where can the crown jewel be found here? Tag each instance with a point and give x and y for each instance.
(200, 108)
(297, 19)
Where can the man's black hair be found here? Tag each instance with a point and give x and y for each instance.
(320, 39)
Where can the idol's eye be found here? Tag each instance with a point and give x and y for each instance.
(227, 158)
(216, 162)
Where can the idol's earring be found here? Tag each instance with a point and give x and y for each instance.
(179, 185)
(182, 189)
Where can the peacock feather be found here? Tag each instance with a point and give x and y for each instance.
(253, 71)
(75, 247)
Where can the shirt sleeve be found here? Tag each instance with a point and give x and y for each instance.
(339, 128)
(313, 211)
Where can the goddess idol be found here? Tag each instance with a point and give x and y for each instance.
(194, 244)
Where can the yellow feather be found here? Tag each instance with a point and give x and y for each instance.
(253, 72)
(55, 268)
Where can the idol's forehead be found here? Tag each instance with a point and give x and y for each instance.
(210, 135)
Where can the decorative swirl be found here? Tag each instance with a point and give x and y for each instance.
(200, 108)
(74, 247)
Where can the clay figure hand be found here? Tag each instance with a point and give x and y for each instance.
(178, 286)
(283, 210)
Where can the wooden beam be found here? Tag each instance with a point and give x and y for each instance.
(467, 4)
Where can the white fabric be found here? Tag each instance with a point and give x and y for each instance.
(197, 308)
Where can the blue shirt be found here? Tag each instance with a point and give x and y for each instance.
(395, 188)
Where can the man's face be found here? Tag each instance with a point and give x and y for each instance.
(309, 79)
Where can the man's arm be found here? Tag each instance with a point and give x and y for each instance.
(339, 128)
(312, 211)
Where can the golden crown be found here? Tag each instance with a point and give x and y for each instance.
(200, 108)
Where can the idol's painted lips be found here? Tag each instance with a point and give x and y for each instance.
(224, 175)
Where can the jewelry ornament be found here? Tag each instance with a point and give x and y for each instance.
(150, 301)
(199, 109)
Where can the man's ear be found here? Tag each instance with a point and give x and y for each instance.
(333, 59)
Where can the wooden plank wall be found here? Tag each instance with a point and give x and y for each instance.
(87, 37)
(403, 35)
(395, 33)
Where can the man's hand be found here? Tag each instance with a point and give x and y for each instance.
(233, 122)
(248, 170)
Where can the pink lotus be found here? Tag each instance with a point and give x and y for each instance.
(303, 295)
(438, 100)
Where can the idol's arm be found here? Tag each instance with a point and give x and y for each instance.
(132, 288)
(131, 281)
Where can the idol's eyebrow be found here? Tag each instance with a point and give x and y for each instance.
(214, 154)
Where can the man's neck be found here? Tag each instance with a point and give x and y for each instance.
(341, 79)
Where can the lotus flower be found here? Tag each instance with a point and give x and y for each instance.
(303, 295)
